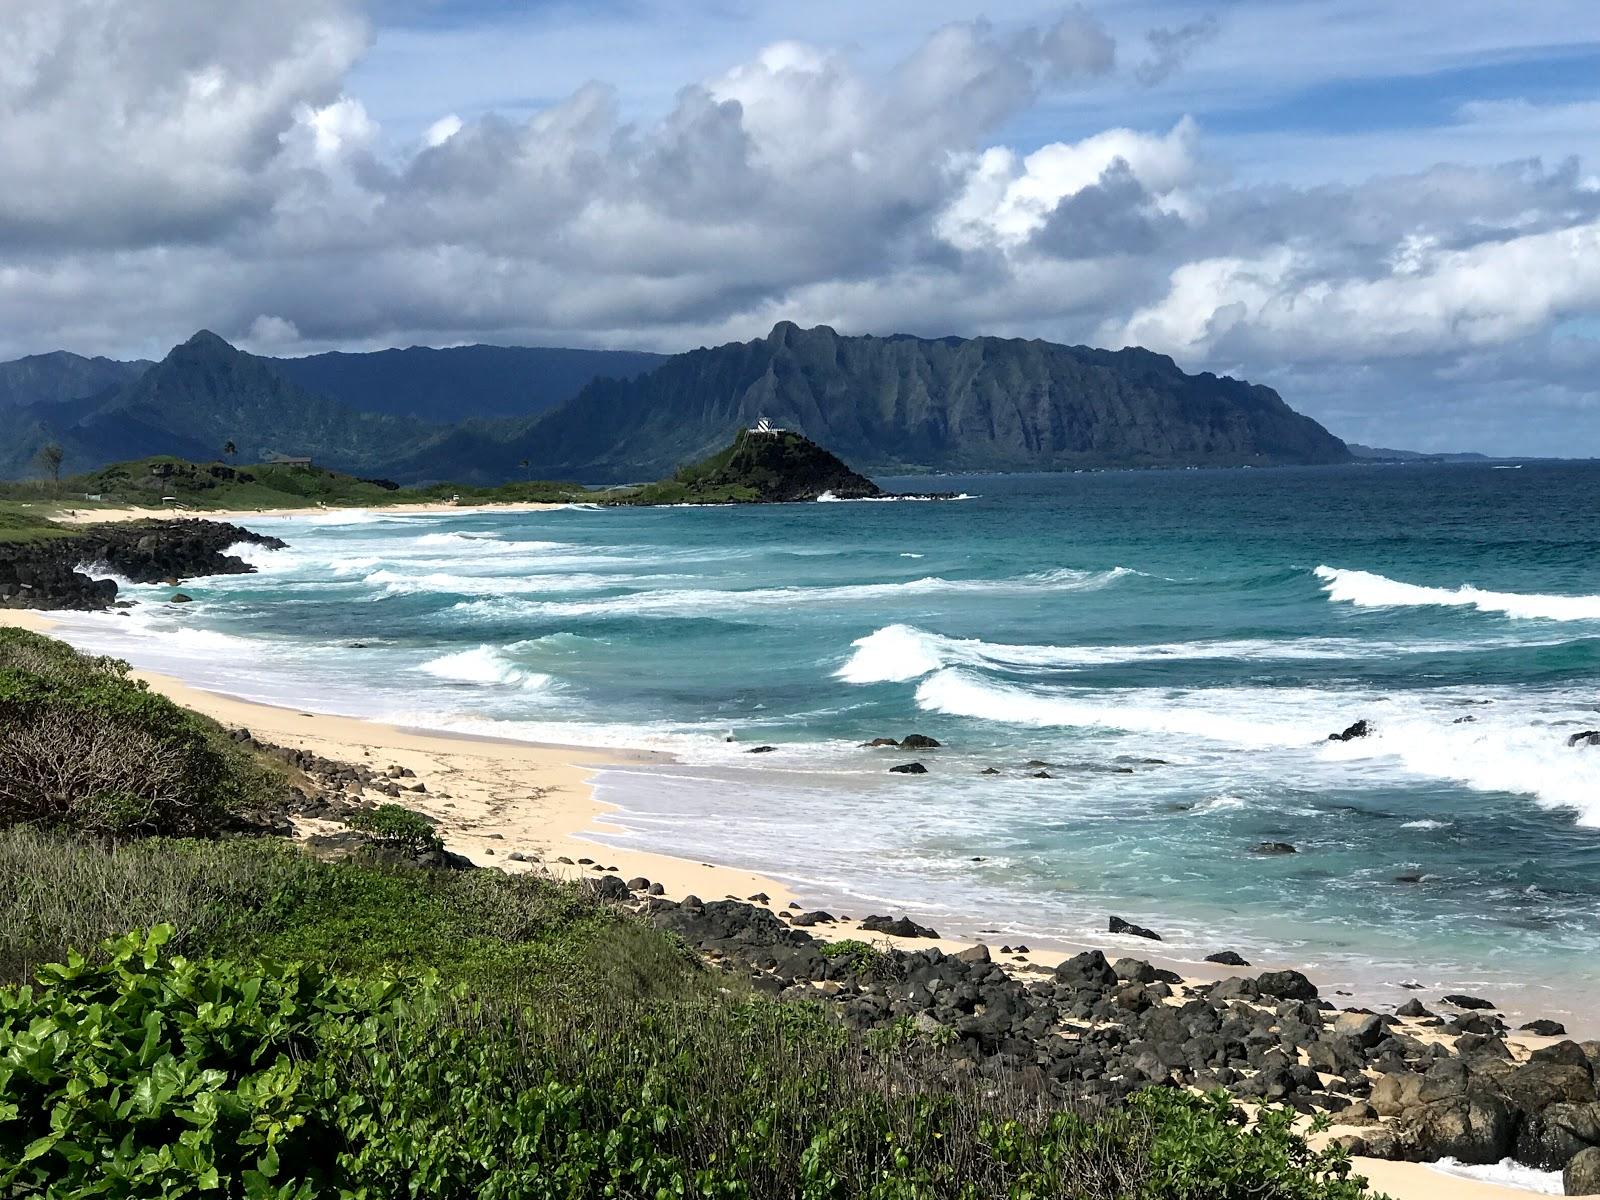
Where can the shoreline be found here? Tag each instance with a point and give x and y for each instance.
(421, 508)
(494, 797)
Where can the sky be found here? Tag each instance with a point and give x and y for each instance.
(1388, 210)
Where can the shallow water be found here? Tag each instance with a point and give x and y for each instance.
(1176, 645)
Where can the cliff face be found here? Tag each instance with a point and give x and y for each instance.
(761, 468)
(904, 403)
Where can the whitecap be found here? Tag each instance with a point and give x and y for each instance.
(1364, 589)
(485, 665)
(961, 693)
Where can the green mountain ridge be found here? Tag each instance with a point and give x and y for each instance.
(896, 404)
(905, 404)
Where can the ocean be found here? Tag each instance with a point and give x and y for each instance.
(1174, 646)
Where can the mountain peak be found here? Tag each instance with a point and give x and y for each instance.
(209, 342)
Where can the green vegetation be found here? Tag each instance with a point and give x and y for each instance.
(26, 523)
(286, 1026)
(394, 827)
(90, 749)
(758, 468)
(147, 482)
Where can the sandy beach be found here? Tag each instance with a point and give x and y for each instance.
(494, 798)
(94, 516)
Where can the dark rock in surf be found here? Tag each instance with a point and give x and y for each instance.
(1359, 730)
(897, 927)
(1118, 925)
(1470, 1002)
(1589, 737)
(879, 742)
(1227, 958)
(761, 750)
(918, 741)
(1544, 1028)
(1273, 848)
(913, 768)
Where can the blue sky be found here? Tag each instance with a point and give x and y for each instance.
(1389, 211)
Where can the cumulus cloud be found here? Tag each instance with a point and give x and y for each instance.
(177, 165)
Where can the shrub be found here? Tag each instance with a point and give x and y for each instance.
(394, 827)
(89, 749)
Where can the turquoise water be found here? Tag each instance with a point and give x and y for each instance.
(1177, 645)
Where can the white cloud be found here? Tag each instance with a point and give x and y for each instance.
(177, 165)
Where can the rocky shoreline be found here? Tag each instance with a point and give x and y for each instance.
(60, 573)
(1416, 1085)
(1443, 1079)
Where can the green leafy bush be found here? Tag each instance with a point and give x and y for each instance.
(395, 827)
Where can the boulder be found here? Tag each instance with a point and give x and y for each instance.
(1235, 987)
(1475, 1128)
(911, 768)
(1545, 1028)
(1364, 1029)
(897, 927)
(1286, 985)
(817, 917)
(1469, 1002)
(879, 742)
(1227, 958)
(1118, 925)
(1412, 1008)
(1589, 737)
(1273, 848)
(918, 741)
(608, 887)
(1549, 1139)
(1086, 970)
(1132, 970)
(1582, 1174)
(761, 750)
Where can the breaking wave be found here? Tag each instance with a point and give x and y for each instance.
(485, 665)
(1365, 589)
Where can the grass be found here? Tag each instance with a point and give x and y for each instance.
(25, 524)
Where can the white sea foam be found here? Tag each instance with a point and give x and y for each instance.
(692, 601)
(1425, 824)
(1367, 590)
(485, 665)
(1222, 803)
(1507, 1173)
(897, 653)
(830, 498)
(1253, 719)
(1513, 750)
(399, 583)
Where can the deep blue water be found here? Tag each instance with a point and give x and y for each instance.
(1176, 645)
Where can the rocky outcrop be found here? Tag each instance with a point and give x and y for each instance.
(761, 467)
(66, 572)
(1094, 1030)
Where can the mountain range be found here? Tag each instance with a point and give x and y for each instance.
(886, 405)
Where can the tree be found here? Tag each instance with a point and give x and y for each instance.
(229, 450)
(526, 474)
(49, 457)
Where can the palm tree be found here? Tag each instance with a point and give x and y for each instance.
(229, 450)
(49, 458)
(527, 475)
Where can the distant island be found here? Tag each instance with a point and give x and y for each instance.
(484, 415)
